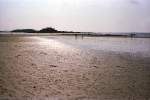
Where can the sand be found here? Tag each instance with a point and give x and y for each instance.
(36, 68)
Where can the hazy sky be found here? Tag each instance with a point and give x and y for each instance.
(76, 15)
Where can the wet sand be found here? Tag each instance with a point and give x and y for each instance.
(37, 68)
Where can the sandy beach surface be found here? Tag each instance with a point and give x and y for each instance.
(45, 68)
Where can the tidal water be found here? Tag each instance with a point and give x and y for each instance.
(129, 45)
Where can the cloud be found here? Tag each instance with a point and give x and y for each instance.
(135, 2)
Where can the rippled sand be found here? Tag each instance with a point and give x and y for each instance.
(37, 68)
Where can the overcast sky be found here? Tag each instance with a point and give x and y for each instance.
(76, 15)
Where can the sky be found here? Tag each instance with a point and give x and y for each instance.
(76, 15)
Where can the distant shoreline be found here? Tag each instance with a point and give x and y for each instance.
(49, 31)
(71, 34)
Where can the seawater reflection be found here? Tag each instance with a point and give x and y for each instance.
(132, 45)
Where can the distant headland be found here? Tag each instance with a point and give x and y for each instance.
(43, 30)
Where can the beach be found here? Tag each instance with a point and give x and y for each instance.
(54, 68)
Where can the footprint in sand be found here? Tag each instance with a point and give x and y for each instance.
(119, 67)
(53, 66)
(34, 87)
(94, 66)
(17, 45)
(43, 53)
(17, 56)
(33, 64)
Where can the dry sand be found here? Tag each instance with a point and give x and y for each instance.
(34, 68)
